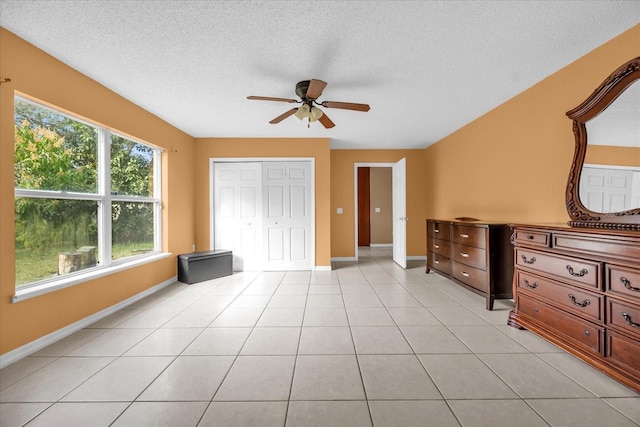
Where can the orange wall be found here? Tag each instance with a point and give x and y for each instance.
(317, 148)
(607, 155)
(512, 163)
(41, 76)
(342, 196)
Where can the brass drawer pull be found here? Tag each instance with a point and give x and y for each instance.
(627, 317)
(581, 273)
(435, 230)
(464, 254)
(526, 261)
(530, 285)
(587, 333)
(436, 246)
(579, 304)
(530, 237)
(464, 236)
(436, 262)
(627, 284)
(465, 274)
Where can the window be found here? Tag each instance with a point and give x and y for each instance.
(86, 198)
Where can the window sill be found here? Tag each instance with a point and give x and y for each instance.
(37, 290)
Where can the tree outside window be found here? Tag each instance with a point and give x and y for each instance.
(62, 203)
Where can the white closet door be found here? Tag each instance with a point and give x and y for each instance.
(238, 213)
(287, 215)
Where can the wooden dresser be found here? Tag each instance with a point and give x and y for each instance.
(580, 289)
(477, 255)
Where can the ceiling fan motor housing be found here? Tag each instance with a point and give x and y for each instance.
(301, 88)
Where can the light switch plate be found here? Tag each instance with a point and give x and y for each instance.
(339, 211)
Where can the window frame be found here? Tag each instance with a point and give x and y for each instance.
(104, 198)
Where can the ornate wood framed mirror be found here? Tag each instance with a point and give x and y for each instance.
(603, 189)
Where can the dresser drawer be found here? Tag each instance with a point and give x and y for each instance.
(440, 230)
(533, 237)
(595, 245)
(469, 255)
(471, 276)
(624, 351)
(439, 262)
(624, 281)
(442, 247)
(574, 269)
(624, 316)
(582, 333)
(579, 301)
(470, 236)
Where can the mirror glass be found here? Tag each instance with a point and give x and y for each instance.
(610, 177)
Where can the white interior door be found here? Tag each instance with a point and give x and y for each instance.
(399, 202)
(238, 213)
(287, 215)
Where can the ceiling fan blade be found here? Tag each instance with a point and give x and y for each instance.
(269, 98)
(326, 121)
(315, 89)
(283, 116)
(346, 105)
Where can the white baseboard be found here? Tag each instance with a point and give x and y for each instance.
(322, 268)
(347, 258)
(381, 245)
(30, 348)
(417, 258)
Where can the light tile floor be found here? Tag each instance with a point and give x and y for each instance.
(368, 343)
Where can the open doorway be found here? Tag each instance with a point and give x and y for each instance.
(375, 220)
(397, 210)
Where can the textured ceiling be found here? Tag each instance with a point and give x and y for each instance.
(426, 68)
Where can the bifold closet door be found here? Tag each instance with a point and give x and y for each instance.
(238, 213)
(262, 212)
(287, 215)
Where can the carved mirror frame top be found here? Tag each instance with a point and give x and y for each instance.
(597, 102)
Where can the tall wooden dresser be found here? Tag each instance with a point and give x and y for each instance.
(580, 289)
(475, 254)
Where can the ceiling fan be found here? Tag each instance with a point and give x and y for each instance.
(309, 91)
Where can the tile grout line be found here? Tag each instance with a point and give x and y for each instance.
(295, 360)
(355, 353)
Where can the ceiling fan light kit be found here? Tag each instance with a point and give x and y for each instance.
(310, 112)
(309, 91)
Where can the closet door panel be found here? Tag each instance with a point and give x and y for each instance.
(238, 212)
